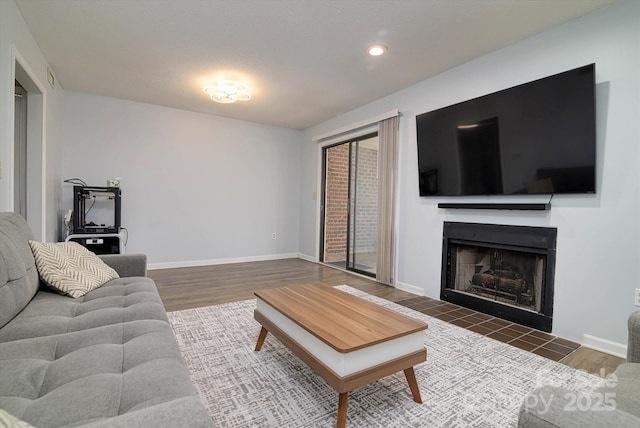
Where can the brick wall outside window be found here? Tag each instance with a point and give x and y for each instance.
(336, 199)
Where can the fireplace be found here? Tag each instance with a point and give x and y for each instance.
(503, 271)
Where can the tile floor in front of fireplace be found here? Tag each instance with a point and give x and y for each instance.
(538, 342)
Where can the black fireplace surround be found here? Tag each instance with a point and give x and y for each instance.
(505, 297)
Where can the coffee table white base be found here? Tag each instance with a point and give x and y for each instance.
(343, 363)
(344, 371)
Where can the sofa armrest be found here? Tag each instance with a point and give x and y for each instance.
(126, 264)
(553, 407)
(633, 347)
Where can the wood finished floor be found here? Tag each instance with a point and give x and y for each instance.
(186, 288)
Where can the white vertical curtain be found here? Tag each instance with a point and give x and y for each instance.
(387, 173)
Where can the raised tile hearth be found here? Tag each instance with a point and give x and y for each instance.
(514, 334)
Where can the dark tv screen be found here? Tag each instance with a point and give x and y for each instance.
(535, 138)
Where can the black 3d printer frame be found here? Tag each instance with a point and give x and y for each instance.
(83, 193)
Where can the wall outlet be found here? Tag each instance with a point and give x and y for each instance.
(636, 301)
(273, 235)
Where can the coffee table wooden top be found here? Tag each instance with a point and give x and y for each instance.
(341, 320)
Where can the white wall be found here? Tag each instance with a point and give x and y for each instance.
(17, 44)
(598, 236)
(196, 188)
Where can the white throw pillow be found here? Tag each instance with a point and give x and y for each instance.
(9, 421)
(70, 268)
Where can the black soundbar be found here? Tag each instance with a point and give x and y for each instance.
(497, 206)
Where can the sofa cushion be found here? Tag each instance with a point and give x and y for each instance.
(91, 374)
(70, 268)
(120, 300)
(626, 388)
(557, 407)
(108, 358)
(18, 275)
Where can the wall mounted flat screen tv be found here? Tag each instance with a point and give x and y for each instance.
(535, 138)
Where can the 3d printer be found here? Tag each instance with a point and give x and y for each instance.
(96, 209)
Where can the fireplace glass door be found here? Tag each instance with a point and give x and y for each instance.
(505, 276)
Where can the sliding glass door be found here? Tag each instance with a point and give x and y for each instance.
(350, 204)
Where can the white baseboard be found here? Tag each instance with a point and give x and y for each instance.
(604, 345)
(211, 262)
(409, 288)
(311, 259)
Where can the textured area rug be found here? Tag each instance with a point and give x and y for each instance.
(468, 380)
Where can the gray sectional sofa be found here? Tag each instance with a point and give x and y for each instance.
(614, 405)
(108, 359)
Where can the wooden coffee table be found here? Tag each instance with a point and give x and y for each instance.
(346, 340)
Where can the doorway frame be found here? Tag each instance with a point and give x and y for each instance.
(24, 73)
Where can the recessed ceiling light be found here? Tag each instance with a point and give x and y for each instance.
(376, 50)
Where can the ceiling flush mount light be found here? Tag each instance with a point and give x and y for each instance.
(376, 50)
(227, 92)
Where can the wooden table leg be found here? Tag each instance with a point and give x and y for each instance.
(263, 335)
(342, 410)
(413, 384)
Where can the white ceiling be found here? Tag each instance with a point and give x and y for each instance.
(304, 61)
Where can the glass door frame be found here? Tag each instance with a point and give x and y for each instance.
(350, 202)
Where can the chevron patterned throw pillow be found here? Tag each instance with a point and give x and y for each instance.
(70, 268)
(10, 421)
